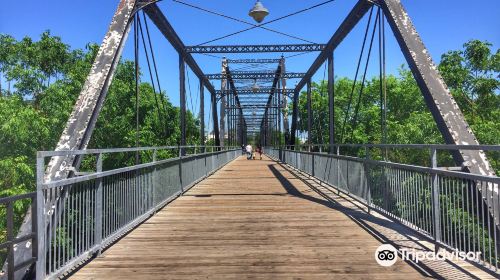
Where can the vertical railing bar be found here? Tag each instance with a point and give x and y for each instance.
(403, 184)
(495, 230)
(463, 233)
(106, 182)
(116, 192)
(84, 216)
(490, 253)
(400, 195)
(427, 200)
(478, 211)
(40, 218)
(99, 207)
(445, 210)
(81, 216)
(419, 178)
(435, 196)
(482, 221)
(474, 219)
(402, 210)
(395, 191)
(180, 171)
(108, 187)
(414, 199)
(34, 228)
(83, 229)
(457, 218)
(129, 188)
(71, 193)
(10, 238)
(120, 192)
(57, 231)
(367, 180)
(123, 217)
(51, 229)
(116, 195)
(449, 210)
(114, 209)
(132, 188)
(66, 224)
(469, 214)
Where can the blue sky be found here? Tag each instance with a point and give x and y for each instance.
(443, 25)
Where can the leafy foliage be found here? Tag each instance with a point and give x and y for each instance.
(472, 75)
(47, 78)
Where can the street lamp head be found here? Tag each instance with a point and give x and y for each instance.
(258, 12)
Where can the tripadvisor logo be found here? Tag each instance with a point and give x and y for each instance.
(386, 255)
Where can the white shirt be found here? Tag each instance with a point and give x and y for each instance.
(248, 148)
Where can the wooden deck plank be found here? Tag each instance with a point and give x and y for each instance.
(243, 222)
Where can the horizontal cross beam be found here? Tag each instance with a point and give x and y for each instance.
(255, 75)
(254, 61)
(249, 106)
(256, 48)
(288, 92)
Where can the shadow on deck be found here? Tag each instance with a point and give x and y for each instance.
(261, 219)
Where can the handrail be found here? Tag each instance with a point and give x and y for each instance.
(122, 150)
(12, 240)
(458, 210)
(464, 175)
(91, 211)
(405, 146)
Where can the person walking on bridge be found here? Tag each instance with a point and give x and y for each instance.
(249, 151)
(260, 150)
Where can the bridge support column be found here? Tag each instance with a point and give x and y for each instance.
(309, 115)
(182, 97)
(202, 115)
(223, 104)
(331, 104)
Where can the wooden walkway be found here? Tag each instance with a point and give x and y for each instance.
(251, 219)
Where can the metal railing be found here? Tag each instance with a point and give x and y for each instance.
(458, 210)
(11, 241)
(85, 213)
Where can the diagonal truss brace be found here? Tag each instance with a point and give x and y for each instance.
(448, 116)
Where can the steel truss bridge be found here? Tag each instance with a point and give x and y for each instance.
(76, 215)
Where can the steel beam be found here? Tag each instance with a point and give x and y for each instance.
(309, 113)
(448, 116)
(202, 113)
(359, 10)
(223, 87)
(81, 123)
(260, 106)
(261, 91)
(182, 97)
(331, 104)
(256, 75)
(277, 76)
(161, 22)
(286, 95)
(254, 61)
(256, 48)
(215, 119)
(229, 75)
